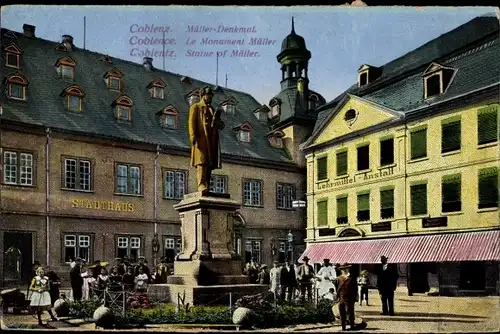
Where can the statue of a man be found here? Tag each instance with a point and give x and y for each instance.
(204, 125)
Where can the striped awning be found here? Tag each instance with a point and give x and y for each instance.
(449, 247)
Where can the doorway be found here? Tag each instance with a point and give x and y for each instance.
(17, 257)
(472, 275)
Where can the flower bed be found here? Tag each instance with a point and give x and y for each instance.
(284, 315)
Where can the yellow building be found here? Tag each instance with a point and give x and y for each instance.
(405, 164)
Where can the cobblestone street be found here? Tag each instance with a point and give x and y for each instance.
(416, 314)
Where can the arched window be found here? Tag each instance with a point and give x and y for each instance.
(169, 118)
(16, 87)
(123, 108)
(74, 98)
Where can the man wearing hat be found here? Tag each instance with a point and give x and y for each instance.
(288, 281)
(304, 278)
(326, 276)
(76, 280)
(346, 292)
(387, 281)
(204, 124)
(263, 277)
(119, 266)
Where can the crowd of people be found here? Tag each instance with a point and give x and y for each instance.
(123, 276)
(336, 283)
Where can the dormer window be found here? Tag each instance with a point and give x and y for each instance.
(367, 74)
(229, 106)
(73, 98)
(16, 87)
(113, 79)
(12, 56)
(276, 139)
(169, 117)
(123, 108)
(262, 113)
(244, 132)
(106, 59)
(275, 105)
(437, 78)
(186, 80)
(313, 101)
(157, 89)
(66, 68)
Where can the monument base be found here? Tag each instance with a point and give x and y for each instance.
(208, 272)
(181, 294)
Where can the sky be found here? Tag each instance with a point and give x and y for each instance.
(340, 39)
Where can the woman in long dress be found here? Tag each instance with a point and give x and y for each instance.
(40, 297)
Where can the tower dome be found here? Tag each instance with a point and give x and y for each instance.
(293, 41)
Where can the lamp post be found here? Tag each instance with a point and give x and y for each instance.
(290, 246)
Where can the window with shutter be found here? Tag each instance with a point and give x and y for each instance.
(363, 207)
(364, 157)
(387, 204)
(451, 193)
(342, 210)
(450, 137)
(418, 194)
(419, 144)
(487, 125)
(387, 152)
(322, 168)
(488, 188)
(342, 163)
(323, 213)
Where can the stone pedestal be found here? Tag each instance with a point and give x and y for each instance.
(208, 269)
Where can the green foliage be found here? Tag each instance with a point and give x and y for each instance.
(282, 315)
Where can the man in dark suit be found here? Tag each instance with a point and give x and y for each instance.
(346, 292)
(288, 281)
(76, 280)
(387, 281)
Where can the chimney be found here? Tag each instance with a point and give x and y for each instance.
(147, 62)
(68, 42)
(29, 30)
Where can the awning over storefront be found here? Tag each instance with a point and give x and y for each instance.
(450, 247)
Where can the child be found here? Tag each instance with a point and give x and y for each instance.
(363, 282)
(40, 298)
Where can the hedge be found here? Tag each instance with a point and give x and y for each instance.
(284, 315)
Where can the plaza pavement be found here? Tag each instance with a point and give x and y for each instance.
(416, 314)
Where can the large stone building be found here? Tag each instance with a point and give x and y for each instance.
(95, 154)
(405, 164)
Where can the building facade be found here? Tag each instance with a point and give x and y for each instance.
(405, 164)
(95, 154)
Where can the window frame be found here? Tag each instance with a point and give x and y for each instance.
(382, 162)
(426, 79)
(367, 146)
(323, 176)
(342, 220)
(16, 80)
(253, 251)
(446, 204)
(322, 221)
(412, 212)
(128, 110)
(383, 215)
(363, 215)
(485, 112)
(78, 173)
(154, 92)
(77, 246)
(169, 112)
(129, 245)
(71, 68)
(141, 179)
(164, 171)
(244, 136)
(112, 78)
(261, 192)
(17, 57)
(413, 132)
(338, 170)
(444, 126)
(487, 186)
(285, 187)
(177, 239)
(212, 183)
(18, 153)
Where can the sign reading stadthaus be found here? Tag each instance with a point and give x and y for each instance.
(84, 203)
(356, 178)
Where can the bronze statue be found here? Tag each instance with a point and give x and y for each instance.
(204, 125)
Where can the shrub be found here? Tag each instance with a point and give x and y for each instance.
(84, 308)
